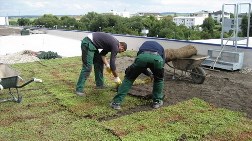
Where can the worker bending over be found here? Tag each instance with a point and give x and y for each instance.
(94, 48)
(150, 55)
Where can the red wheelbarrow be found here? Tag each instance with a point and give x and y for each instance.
(9, 79)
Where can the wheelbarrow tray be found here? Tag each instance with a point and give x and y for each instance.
(192, 66)
(188, 63)
(9, 78)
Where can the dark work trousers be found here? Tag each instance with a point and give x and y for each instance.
(90, 55)
(143, 61)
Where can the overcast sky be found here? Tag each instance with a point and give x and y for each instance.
(81, 7)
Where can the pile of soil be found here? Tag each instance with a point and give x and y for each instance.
(221, 88)
(183, 52)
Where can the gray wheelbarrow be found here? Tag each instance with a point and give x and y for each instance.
(9, 79)
(191, 65)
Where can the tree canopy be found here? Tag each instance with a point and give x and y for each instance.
(162, 28)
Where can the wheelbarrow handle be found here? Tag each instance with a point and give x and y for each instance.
(38, 80)
(28, 82)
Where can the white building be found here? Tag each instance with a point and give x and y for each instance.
(188, 21)
(202, 13)
(218, 16)
(4, 21)
(229, 24)
(156, 15)
(124, 14)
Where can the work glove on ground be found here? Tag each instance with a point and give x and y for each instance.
(118, 81)
(108, 69)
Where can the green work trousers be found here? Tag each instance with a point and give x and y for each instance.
(90, 56)
(143, 61)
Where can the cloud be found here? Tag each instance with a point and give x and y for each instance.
(36, 4)
(71, 7)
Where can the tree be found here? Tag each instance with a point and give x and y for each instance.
(150, 23)
(68, 22)
(208, 27)
(166, 28)
(87, 19)
(23, 22)
(47, 20)
(195, 35)
(244, 25)
(166, 33)
(98, 23)
(135, 24)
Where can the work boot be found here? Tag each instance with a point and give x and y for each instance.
(101, 87)
(80, 93)
(115, 106)
(157, 104)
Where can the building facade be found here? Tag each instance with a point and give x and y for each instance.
(217, 16)
(4, 21)
(229, 24)
(188, 21)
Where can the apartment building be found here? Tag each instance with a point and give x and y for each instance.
(229, 24)
(191, 20)
(188, 21)
(4, 21)
(157, 15)
(201, 13)
(218, 16)
(124, 14)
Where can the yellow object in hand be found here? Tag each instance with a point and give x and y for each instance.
(108, 70)
(118, 81)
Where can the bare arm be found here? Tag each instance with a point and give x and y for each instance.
(107, 64)
(105, 60)
(115, 74)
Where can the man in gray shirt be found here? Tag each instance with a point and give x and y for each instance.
(94, 48)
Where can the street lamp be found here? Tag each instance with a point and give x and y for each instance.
(100, 28)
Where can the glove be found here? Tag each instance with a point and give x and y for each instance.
(118, 81)
(108, 69)
(152, 77)
(149, 79)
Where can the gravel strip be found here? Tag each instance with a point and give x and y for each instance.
(19, 57)
(246, 70)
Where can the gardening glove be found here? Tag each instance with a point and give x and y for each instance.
(108, 69)
(118, 81)
(149, 79)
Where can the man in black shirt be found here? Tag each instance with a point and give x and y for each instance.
(150, 55)
(94, 48)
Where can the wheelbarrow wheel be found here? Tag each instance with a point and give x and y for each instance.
(198, 75)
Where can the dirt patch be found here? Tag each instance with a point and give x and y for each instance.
(224, 89)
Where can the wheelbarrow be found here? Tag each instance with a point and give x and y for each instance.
(9, 79)
(191, 65)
